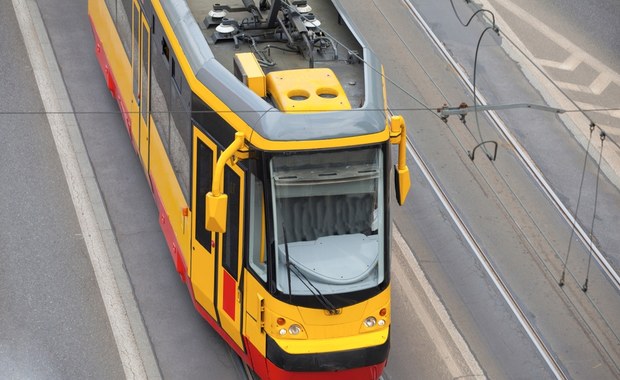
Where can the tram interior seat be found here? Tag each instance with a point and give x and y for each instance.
(309, 218)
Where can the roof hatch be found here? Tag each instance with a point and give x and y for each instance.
(307, 90)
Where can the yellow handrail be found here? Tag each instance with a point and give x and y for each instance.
(216, 201)
(218, 176)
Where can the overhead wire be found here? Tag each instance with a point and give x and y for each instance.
(592, 126)
(428, 75)
(466, 24)
(415, 109)
(423, 107)
(414, 98)
(475, 76)
(555, 85)
(546, 239)
(494, 28)
(590, 247)
(574, 219)
(584, 287)
(415, 57)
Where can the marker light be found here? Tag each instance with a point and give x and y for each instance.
(381, 322)
(370, 321)
(282, 331)
(294, 329)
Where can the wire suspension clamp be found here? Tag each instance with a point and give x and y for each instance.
(463, 109)
(492, 158)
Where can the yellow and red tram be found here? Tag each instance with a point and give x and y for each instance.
(264, 135)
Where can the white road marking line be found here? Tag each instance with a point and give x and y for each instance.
(569, 63)
(575, 122)
(602, 81)
(560, 40)
(431, 324)
(573, 87)
(596, 87)
(133, 365)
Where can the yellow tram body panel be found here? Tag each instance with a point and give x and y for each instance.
(161, 172)
(321, 332)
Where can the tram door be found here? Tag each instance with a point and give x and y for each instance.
(230, 298)
(141, 64)
(215, 264)
(204, 253)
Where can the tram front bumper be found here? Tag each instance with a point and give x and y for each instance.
(297, 355)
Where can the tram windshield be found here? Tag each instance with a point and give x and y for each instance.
(329, 221)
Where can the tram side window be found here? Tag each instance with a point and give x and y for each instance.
(160, 93)
(180, 130)
(204, 176)
(135, 58)
(230, 247)
(165, 51)
(257, 243)
(111, 4)
(123, 23)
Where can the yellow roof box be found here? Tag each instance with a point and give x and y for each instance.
(248, 70)
(307, 90)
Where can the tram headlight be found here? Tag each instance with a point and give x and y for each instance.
(294, 329)
(370, 321)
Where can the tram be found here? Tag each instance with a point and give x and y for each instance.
(264, 134)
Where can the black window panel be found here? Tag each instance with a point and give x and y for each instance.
(181, 138)
(230, 248)
(111, 4)
(212, 123)
(127, 6)
(145, 73)
(160, 94)
(123, 23)
(180, 108)
(204, 177)
(165, 50)
(135, 54)
(177, 82)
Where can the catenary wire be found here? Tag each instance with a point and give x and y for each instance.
(557, 87)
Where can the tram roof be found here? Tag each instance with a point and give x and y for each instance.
(212, 64)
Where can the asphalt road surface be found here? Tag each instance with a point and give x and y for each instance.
(54, 324)
(57, 323)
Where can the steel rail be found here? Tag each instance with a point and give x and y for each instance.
(522, 154)
(488, 266)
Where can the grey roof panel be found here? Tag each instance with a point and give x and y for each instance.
(266, 120)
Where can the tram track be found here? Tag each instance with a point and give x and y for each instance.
(527, 162)
(521, 153)
(484, 259)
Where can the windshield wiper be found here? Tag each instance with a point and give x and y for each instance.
(304, 280)
(288, 263)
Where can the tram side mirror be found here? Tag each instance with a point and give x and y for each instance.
(402, 183)
(398, 135)
(216, 212)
